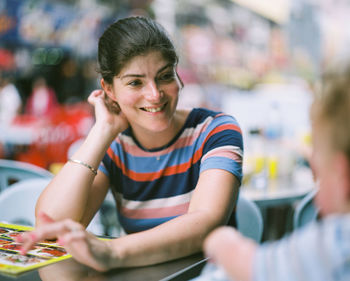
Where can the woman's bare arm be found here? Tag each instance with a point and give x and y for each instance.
(211, 205)
(75, 192)
(67, 195)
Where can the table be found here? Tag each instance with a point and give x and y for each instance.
(276, 200)
(281, 191)
(280, 196)
(70, 270)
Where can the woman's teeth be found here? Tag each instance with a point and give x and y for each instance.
(154, 109)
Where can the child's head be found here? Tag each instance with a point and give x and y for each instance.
(330, 114)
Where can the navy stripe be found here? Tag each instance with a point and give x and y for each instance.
(177, 184)
(136, 225)
(181, 183)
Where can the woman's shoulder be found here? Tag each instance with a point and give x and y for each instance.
(206, 112)
(206, 117)
(197, 113)
(215, 117)
(192, 116)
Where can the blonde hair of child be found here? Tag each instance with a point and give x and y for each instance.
(331, 108)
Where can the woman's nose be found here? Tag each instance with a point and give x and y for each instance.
(152, 91)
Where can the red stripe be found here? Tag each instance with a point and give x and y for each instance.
(172, 170)
(155, 212)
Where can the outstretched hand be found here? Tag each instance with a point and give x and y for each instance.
(226, 247)
(82, 245)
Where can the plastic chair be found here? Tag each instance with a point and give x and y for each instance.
(13, 171)
(17, 203)
(305, 211)
(249, 219)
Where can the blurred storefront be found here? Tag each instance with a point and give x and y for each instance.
(235, 55)
(54, 41)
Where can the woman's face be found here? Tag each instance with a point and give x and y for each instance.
(147, 92)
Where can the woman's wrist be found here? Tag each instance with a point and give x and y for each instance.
(113, 258)
(106, 131)
(94, 146)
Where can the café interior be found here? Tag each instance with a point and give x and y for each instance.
(259, 61)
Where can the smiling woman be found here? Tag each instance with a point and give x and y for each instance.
(146, 91)
(174, 173)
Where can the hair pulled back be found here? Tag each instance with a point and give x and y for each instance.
(130, 37)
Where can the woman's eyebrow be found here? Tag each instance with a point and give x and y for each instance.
(143, 75)
(165, 67)
(131, 75)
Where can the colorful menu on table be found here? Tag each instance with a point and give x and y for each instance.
(13, 263)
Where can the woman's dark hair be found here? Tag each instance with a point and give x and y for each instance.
(130, 37)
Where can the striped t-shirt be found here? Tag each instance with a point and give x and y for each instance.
(154, 186)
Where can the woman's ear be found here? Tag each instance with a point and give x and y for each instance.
(108, 89)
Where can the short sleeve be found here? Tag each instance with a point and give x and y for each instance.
(223, 147)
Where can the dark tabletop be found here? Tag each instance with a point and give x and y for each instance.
(70, 270)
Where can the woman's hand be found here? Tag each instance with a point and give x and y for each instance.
(107, 112)
(83, 246)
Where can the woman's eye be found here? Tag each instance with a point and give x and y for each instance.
(135, 83)
(167, 77)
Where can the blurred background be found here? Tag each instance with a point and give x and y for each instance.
(257, 60)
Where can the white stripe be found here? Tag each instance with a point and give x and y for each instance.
(188, 132)
(155, 203)
(233, 148)
(126, 139)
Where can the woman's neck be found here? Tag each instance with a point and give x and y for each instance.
(152, 140)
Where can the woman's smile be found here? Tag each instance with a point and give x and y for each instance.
(146, 88)
(154, 109)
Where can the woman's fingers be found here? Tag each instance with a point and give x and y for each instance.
(55, 229)
(74, 234)
(112, 105)
(86, 249)
(83, 246)
(95, 93)
(99, 97)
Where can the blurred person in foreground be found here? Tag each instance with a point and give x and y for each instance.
(174, 173)
(318, 251)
